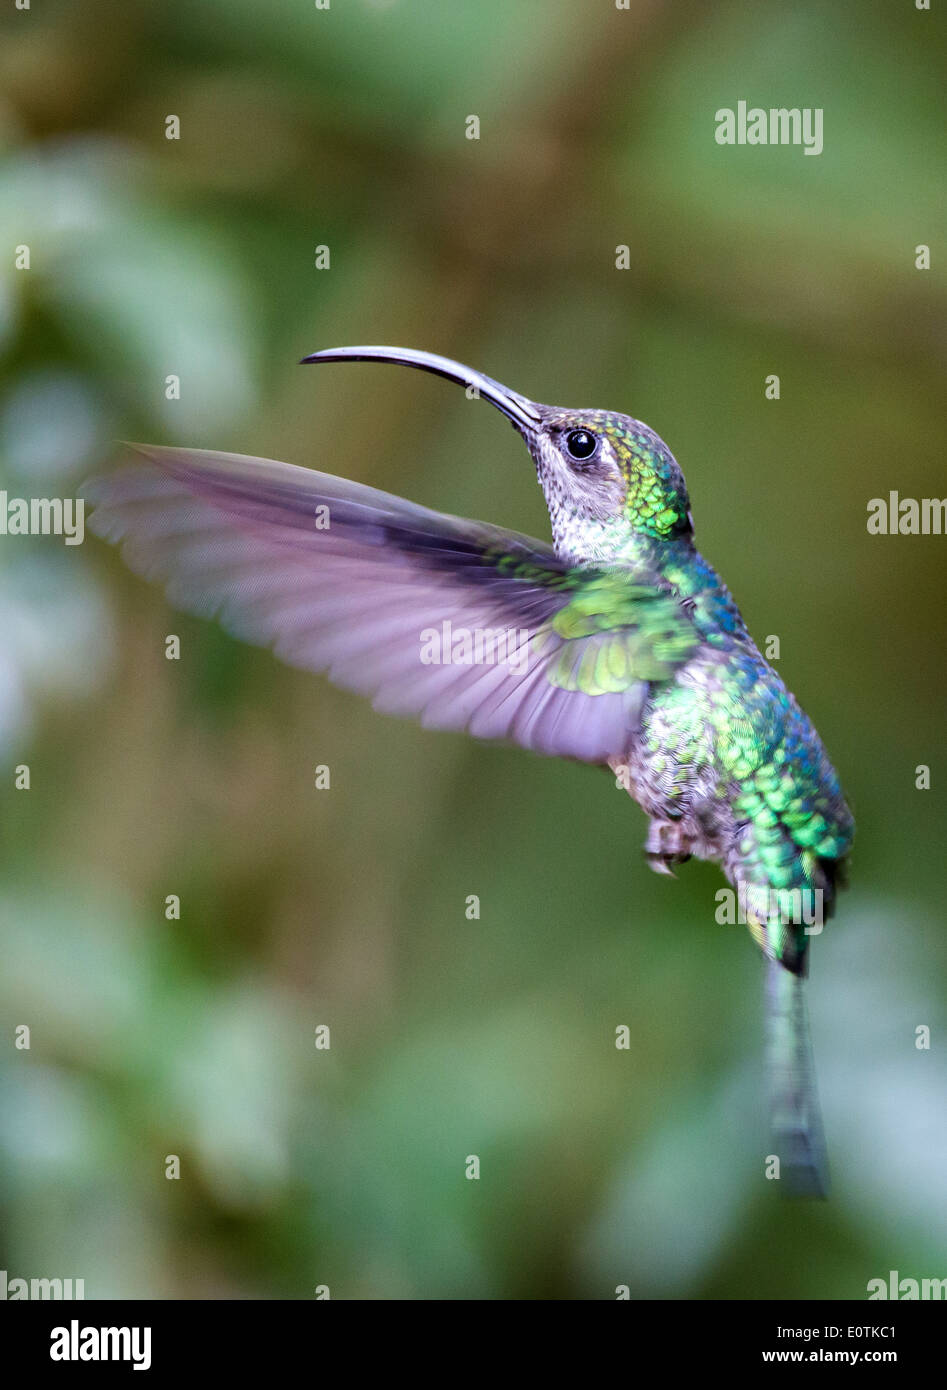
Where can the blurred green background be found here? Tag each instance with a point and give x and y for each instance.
(346, 128)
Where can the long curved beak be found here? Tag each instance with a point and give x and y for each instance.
(515, 407)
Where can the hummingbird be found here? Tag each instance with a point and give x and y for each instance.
(629, 654)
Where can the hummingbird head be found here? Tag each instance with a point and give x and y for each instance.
(605, 476)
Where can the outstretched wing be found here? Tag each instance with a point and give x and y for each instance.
(461, 624)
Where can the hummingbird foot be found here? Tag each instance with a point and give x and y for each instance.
(667, 843)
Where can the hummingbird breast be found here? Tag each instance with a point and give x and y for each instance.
(730, 769)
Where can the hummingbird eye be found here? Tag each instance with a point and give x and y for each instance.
(581, 444)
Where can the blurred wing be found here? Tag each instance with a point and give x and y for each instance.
(461, 624)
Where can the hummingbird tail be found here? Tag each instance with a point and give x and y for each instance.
(797, 1134)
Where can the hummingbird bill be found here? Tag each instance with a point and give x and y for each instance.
(631, 654)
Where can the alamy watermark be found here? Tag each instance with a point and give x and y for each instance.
(758, 902)
(906, 1290)
(14, 1288)
(80, 1343)
(43, 516)
(777, 125)
(479, 646)
(895, 515)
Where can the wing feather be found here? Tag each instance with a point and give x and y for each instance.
(338, 577)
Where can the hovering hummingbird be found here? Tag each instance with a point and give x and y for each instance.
(636, 656)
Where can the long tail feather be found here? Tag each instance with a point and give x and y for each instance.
(797, 1134)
